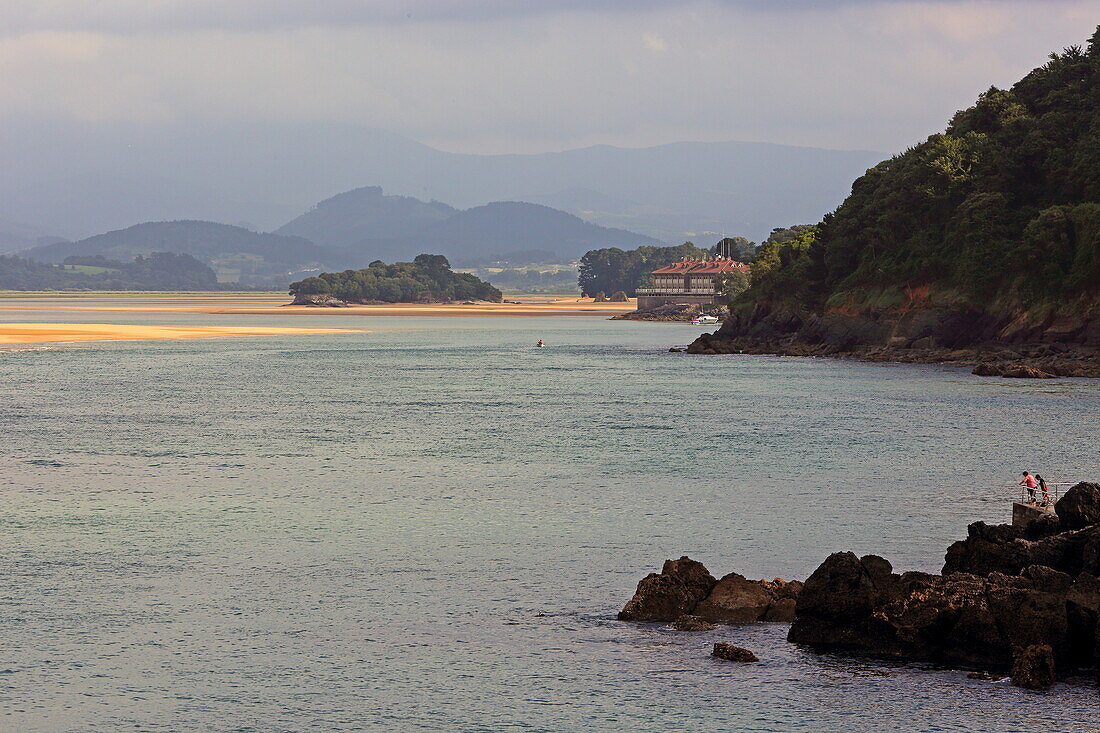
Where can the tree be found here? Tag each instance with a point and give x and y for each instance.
(733, 284)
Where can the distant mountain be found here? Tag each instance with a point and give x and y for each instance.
(15, 235)
(350, 230)
(365, 213)
(79, 178)
(485, 232)
(236, 254)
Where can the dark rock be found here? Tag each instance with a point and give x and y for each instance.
(674, 350)
(322, 301)
(784, 600)
(989, 369)
(1007, 549)
(735, 600)
(836, 603)
(1033, 667)
(688, 622)
(1023, 371)
(943, 619)
(1030, 609)
(1080, 506)
(674, 592)
(854, 604)
(732, 653)
(1082, 613)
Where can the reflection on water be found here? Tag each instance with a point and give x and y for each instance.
(431, 525)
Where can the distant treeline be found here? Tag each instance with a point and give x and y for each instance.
(428, 278)
(157, 271)
(531, 280)
(612, 269)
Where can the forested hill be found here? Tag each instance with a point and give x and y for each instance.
(157, 271)
(987, 232)
(428, 278)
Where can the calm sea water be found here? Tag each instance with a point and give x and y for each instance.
(430, 526)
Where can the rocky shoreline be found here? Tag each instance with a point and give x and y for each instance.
(1037, 361)
(1018, 600)
(674, 313)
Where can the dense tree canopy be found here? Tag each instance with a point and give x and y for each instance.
(157, 271)
(426, 278)
(612, 269)
(1001, 209)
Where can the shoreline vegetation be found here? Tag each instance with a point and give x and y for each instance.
(980, 245)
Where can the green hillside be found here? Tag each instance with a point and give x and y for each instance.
(988, 231)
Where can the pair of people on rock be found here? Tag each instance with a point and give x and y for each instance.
(1034, 482)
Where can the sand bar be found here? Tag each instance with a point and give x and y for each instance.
(552, 307)
(37, 333)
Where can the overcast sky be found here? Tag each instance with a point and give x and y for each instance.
(526, 76)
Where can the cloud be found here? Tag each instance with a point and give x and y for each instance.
(845, 75)
(134, 16)
(654, 42)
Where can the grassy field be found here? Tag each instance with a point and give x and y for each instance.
(89, 269)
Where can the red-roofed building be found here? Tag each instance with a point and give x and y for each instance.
(688, 281)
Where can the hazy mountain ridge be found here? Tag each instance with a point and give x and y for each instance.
(231, 250)
(79, 179)
(240, 254)
(484, 232)
(351, 217)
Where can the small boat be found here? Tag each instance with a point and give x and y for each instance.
(704, 320)
(539, 344)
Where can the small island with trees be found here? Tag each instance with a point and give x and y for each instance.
(427, 279)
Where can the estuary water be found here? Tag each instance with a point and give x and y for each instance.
(431, 525)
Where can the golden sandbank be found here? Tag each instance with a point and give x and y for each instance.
(36, 333)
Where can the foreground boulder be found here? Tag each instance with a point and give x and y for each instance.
(737, 600)
(1033, 667)
(732, 653)
(684, 587)
(674, 592)
(858, 604)
(1080, 506)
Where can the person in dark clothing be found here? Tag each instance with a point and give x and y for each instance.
(1042, 485)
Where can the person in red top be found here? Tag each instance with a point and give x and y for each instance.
(1030, 483)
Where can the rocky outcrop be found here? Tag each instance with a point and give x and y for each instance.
(990, 345)
(674, 312)
(738, 600)
(674, 592)
(1010, 598)
(1080, 506)
(1033, 667)
(320, 301)
(732, 653)
(858, 605)
(684, 587)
